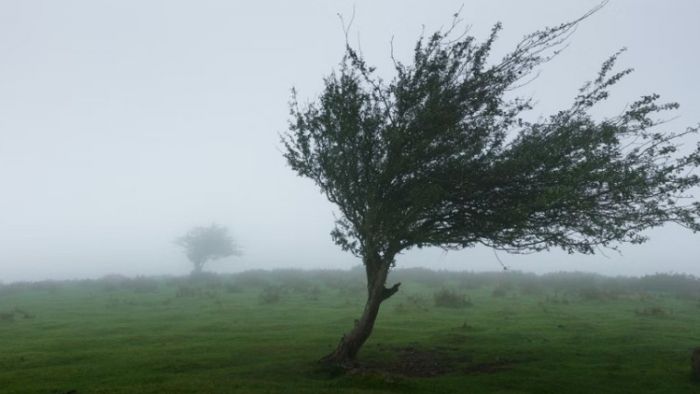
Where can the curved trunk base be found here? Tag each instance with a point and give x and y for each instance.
(345, 354)
(341, 358)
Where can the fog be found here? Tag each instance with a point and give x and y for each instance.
(124, 124)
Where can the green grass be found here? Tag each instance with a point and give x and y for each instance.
(221, 336)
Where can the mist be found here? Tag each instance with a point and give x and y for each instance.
(124, 124)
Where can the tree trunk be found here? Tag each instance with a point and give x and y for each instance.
(198, 265)
(695, 364)
(345, 355)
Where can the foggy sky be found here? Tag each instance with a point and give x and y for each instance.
(124, 123)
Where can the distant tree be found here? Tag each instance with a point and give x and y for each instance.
(202, 244)
(440, 156)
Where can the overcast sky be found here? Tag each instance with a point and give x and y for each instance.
(124, 123)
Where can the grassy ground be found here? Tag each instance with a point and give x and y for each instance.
(262, 332)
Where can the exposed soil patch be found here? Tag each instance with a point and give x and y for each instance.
(412, 361)
(491, 367)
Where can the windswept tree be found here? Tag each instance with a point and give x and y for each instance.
(441, 155)
(203, 244)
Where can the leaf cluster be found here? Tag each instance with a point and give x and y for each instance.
(441, 155)
(202, 244)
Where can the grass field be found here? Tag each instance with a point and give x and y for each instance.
(262, 332)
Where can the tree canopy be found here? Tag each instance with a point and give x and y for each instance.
(203, 244)
(442, 155)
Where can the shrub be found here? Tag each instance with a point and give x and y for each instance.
(451, 299)
(413, 303)
(209, 280)
(653, 311)
(531, 288)
(253, 279)
(188, 291)
(141, 285)
(7, 316)
(684, 286)
(500, 291)
(17, 312)
(270, 295)
(312, 293)
(592, 293)
(22, 313)
(111, 282)
(557, 299)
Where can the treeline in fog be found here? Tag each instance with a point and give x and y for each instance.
(588, 286)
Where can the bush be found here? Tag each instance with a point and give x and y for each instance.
(141, 285)
(188, 291)
(684, 286)
(413, 303)
(233, 288)
(17, 312)
(312, 293)
(253, 279)
(209, 280)
(557, 299)
(531, 288)
(111, 282)
(594, 294)
(22, 313)
(501, 290)
(270, 295)
(653, 311)
(449, 299)
(7, 316)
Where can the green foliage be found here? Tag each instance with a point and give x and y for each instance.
(253, 279)
(413, 303)
(653, 311)
(270, 295)
(141, 285)
(446, 298)
(188, 291)
(597, 294)
(685, 286)
(500, 291)
(202, 244)
(10, 316)
(441, 155)
(7, 316)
